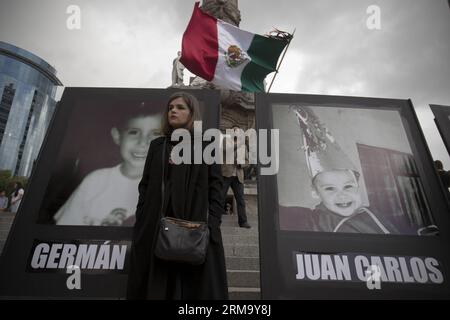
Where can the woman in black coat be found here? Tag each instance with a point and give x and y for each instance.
(191, 192)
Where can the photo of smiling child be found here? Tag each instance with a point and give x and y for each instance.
(108, 196)
(339, 204)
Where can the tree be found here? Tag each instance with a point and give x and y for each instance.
(7, 181)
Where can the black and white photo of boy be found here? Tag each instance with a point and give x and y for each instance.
(335, 191)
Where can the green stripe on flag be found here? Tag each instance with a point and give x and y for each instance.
(252, 78)
(264, 53)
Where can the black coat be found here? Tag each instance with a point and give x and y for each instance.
(189, 192)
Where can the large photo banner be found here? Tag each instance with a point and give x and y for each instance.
(100, 163)
(79, 209)
(355, 202)
(442, 120)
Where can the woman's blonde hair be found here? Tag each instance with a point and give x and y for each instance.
(194, 108)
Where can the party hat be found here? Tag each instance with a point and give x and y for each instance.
(322, 151)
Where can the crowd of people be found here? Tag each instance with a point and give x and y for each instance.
(12, 202)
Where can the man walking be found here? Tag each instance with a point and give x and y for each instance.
(233, 175)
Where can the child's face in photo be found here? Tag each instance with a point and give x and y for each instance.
(134, 140)
(339, 191)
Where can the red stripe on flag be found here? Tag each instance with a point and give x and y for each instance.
(200, 44)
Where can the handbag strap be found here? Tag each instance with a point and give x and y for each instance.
(163, 181)
(163, 157)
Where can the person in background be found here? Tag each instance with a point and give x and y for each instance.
(16, 197)
(233, 175)
(3, 201)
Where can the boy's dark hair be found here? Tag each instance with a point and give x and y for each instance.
(356, 173)
(133, 111)
(438, 164)
(193, 105)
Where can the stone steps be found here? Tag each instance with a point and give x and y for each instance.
(243, 278)
(5, 227)
(2, 245)
(229, 239)
(236, 231)
(6, 220)
(243, 263)
(232, 221)
(242, 250)
(4, 235)
(242, 253)
(233, 216)
(6, 215)
(236, 293)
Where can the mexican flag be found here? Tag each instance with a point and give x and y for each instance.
(226, 55)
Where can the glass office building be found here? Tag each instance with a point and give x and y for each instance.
(27, 102)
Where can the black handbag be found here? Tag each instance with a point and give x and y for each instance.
(181, 240)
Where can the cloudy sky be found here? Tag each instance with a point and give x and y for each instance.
(132, 44)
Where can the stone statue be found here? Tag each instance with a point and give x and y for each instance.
(177, 71)
(226, 10)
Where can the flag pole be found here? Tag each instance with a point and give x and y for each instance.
(282, 57)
